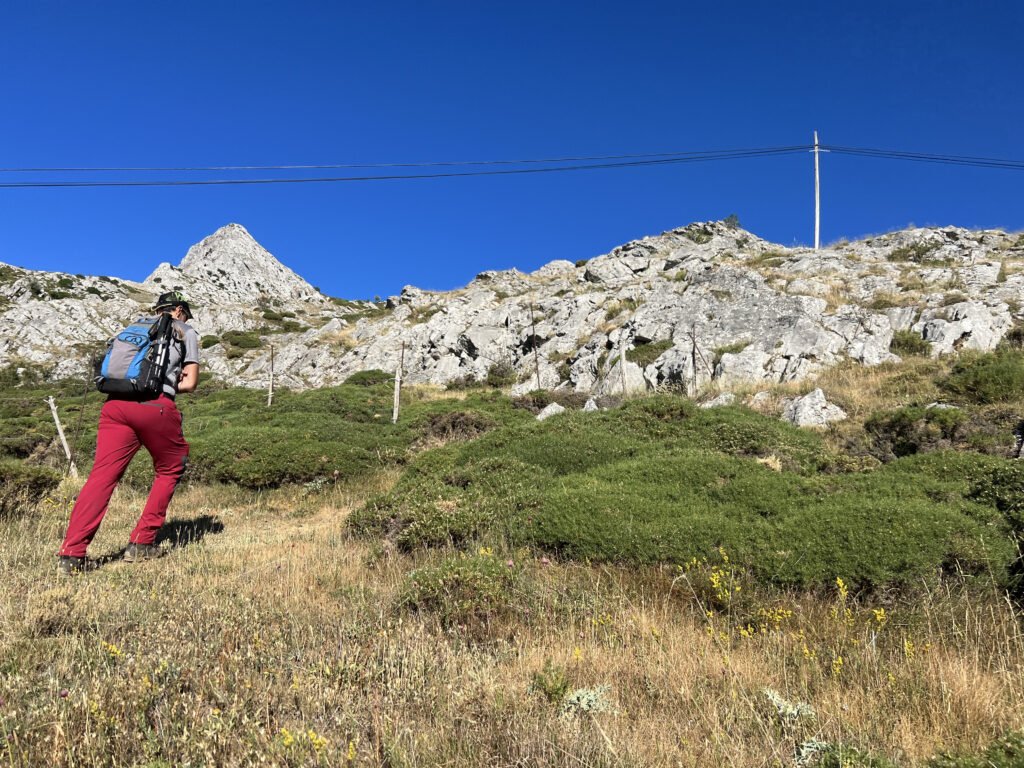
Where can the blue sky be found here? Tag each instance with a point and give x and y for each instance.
(219, 83)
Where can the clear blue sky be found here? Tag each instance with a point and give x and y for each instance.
(219, 83)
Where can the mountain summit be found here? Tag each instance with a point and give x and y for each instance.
(230, 267)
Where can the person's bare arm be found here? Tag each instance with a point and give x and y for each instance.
(189, 377)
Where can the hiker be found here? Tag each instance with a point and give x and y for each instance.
(127, 422)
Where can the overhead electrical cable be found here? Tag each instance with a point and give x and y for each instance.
(432, 164)
(925, 157)
(704, 157)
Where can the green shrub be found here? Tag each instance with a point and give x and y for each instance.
(911, 430)
(537, 400)
(915, 253)
(371, 378)
(454, 425)
(909, 344)
(1002, 487)
(645, 353)
(1005, 752)
(242, 339)
(729, 349)
(466, 591)
(993, 377)
(209, 341)
(552, 682)
(500, 374)
(1013, 340)
(23, 486)
(659, 480)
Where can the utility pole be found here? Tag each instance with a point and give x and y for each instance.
(63, 440)
(270, 387)
(817, 194)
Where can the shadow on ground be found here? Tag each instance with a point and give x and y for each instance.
(173, 535)
(181, 533)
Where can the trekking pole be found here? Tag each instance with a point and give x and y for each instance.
(63, 441)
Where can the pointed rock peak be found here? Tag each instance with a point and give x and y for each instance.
(230, 267)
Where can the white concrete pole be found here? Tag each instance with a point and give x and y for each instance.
(817, 197)
(63, 440)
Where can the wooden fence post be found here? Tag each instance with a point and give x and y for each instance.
(398, 386)
(63, 440)
(270, 387)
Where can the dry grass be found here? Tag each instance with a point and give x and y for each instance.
(270, 637)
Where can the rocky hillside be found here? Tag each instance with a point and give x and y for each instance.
(700, 303)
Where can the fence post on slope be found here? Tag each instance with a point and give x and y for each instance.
(63, 440)
(536, 350)
(622, 366)
(270, 385)
(398, 386)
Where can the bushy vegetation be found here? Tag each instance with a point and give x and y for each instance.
(333, 433)
(643, 354)
(500, 374)
(468, 591)
(22, 487)
(911, 430)
(662, 481)
(993, 377)
(1006, 752)
(909, 343)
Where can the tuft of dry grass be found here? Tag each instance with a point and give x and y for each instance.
(269, 636)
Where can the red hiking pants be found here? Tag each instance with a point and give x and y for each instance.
(125, 426)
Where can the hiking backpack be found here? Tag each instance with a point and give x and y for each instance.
(136, 359)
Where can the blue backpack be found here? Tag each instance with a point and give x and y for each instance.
(135, 362)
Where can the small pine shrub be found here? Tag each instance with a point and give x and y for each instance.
(994, 377)
(455, 425)
(242, 339)
(23, 486)
(1005, 752)
(915, 253)
(371, 378)
(906, 431)
(500, 375)
(729, 349)
(646, 353)
(552, 682)
(464, 591)
(909, 344)
(1013, 340)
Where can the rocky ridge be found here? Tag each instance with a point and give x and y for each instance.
(700, 304)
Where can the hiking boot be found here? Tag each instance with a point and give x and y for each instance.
(68, 565)
(136, 552)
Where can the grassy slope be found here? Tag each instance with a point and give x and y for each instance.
(267, 636)
(279, 637)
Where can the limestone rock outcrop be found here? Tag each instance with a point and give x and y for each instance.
(702, 304)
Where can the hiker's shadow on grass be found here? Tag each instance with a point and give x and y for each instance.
(173, 535)
(182, 533)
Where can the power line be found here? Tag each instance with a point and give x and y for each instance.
(924, 157)
(692, 158)
(332, 166)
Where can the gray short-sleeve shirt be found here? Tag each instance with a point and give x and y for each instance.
(184, 351)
